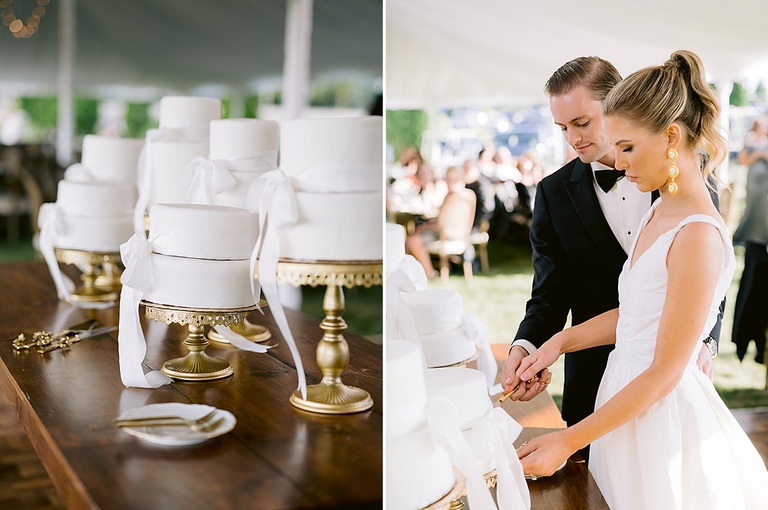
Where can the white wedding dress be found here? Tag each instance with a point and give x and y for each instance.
(687, 451)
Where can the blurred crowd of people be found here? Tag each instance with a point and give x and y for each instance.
(504, 189)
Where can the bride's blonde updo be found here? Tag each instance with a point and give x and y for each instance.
(677, 91)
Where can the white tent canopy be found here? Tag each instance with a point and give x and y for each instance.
(451, 52)
(141, 46)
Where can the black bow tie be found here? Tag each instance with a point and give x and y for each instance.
(607, 178)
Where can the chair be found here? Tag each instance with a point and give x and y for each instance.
(479, 241)
(454, 223)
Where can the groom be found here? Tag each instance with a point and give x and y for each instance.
(584, 220)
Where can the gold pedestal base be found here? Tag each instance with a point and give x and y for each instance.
(108, 280)
(196, 365)
(253, 332)
(92, 263)
(334, 398)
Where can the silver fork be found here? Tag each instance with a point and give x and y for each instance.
(168, 420)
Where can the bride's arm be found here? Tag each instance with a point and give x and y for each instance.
(599, 330)
(694, 264)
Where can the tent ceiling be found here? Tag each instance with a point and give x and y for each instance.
(451, 52)
(183, 44)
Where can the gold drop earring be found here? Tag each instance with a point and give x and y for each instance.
(673, 171)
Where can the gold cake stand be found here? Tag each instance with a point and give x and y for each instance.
(256, 333)
(109, 276)
(451, 501)
(196, 365)
(331, 395)
(92, 262)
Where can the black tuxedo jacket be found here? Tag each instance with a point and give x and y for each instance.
(576, 263)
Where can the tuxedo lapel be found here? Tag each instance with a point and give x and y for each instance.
(581, 191)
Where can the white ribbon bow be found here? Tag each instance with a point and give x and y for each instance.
(478, 332)
(443, 421)
(145, 169)
(132, 346)
(213, 176)
(496, 433)
(51, 225)
(273, 193)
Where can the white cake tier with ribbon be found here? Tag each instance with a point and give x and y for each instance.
(202, 231)
(200, 284)
(465, 387)
(435, 310)
(172, 173)
(406, 389)
(446, 348)
(419, 471)
(395, 258)
(107, 158)
(190, 114)
(351, 144)
(335, 227)
(240, 151)
(94, 233)
(95, 198)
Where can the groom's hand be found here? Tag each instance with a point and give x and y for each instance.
(705, 361)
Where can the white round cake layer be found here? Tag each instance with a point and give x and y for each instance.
(406, 390)
(435, 310)
(200, 284)
(111, 158)
(419, 471)
(189, 112)
(446, 348)
(465, 387)
(97, 233)
(202, 231)
(96, 198)
(351, 142)
(335, 227)
(231, 138)
(394, 246)
(171, 170)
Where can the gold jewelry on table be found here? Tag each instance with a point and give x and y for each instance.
(673, 171)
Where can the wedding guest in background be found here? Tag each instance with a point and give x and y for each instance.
(485, 194)
(661, 435)
(750, 311)
(417, 243)
(585, 218)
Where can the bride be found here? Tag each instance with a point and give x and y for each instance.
(661, 436)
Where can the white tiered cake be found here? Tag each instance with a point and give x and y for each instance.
(200, 256)
(419, 471)
(241, 151)
(438, 315)
(183, 134)
(395, 258)
(335, 167)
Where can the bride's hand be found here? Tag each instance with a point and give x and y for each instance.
(534, 363)
(544, 455)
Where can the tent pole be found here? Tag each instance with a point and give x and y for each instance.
(65, 119)
(298, 52)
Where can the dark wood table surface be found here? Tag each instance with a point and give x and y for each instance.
(276, 457)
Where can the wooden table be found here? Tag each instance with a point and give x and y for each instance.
(276, 457)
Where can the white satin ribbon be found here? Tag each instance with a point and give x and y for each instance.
(213, 177)
(51, 224)
(277, 209)
(145, 169)
(443, 421)
(478, 332)
(240, 341)
(339, 178)
(132, 346)
(497, 432)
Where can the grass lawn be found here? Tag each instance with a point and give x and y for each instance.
(498, 298)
